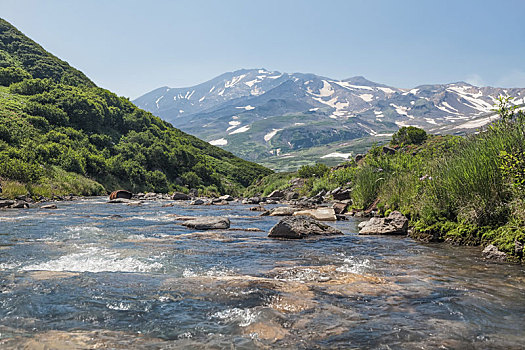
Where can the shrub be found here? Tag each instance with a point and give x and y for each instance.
(409, 135)
(12, 75)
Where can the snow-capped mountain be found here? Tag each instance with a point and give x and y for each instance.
(259, 114)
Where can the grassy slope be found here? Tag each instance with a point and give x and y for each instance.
(58, 131)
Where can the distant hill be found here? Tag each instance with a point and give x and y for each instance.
(286, 120)
(59, 133)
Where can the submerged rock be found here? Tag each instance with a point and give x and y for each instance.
(296, 227)
(395, 224)
(207, 223)
(493, 253)
(49, 206)
(322, 214)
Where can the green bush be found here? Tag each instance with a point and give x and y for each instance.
(12, 75)
(409, 135)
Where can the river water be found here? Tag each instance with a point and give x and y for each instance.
(96, 275)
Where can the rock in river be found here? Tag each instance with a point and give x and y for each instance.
(323, 214)
(296, 227)
(179, 196)
(207, 223)
(493, 253)
(395, 224)
(49, 206)
(120, 194)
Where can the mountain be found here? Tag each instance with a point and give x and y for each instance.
(285, 120)
(61, 134)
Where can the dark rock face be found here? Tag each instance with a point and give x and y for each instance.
(297, 227)
(207, 223)
(341, 195)
(493, 253)
(359, 157)
(121, 194)
(179, 196)
(395, 224)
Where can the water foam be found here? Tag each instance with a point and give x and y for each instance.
(354, 265)
(95, 260)
(245, 317)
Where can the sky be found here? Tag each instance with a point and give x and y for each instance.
(132, 47)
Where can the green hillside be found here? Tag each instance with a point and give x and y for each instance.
(59, 133)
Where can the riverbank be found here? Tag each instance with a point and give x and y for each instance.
(462, 190)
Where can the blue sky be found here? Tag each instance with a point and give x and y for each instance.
(132, 47)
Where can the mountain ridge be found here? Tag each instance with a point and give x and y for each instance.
(255, 103)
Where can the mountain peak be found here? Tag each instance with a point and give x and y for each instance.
(360, 80)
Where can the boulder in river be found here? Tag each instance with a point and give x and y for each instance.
(197, 201)
(283, 211)
(179, 196)
(493, 253)
(395, 224)
(207, 223)
(296, 227)
(227, 197)
(49, 206)
(120, 194)
(322, 214)
(20, 205)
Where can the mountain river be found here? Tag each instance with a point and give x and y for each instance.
(96, 275)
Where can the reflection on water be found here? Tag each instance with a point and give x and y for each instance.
(92, 275)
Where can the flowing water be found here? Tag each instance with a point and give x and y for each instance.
(97, 275)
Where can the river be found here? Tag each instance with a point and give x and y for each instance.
(91, 274)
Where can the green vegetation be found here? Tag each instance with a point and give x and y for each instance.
(61, 134)
(463, 190)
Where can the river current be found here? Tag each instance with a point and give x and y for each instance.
(95, 275)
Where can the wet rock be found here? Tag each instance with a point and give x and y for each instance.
(119, 200)
(6, 203)
(219, 202)
(20, 205)
(395, 224)
(179, 196)
(322, 214)
(197, 202)
(340, 208)
(283, 211)
(150, 196)
(297, 227)
(251, 200)
(258, 208)
(492, 252)
(207, 223)
(120, 194)
(49, 206)
(227, 198)
(168, 205)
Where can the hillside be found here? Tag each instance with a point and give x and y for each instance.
(59, 133)
(276, 118)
